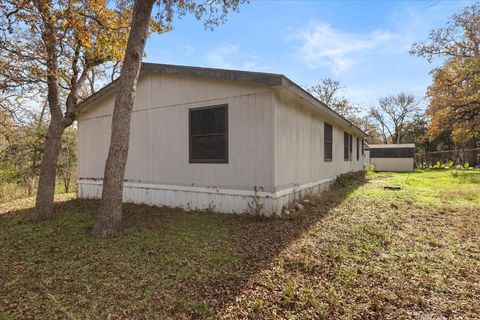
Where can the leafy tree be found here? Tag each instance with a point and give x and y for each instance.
(215, 12)
(393, 114)
(53, 48)
(20, 153)
(416, 132)
(454, 96)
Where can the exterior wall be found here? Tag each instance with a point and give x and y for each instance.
(275, 146)
(393, 164)
(299, 146)
(159, 155)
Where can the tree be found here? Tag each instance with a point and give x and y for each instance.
(393, 114)
(55, 46)
(67, 159)
(110, 217)
(370, 128)
(416, 131)
(20, 151)
(328, 91)
(454, 96)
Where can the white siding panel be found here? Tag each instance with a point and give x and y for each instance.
(159, 146)
(275, 144)
(393, 164)
(299, 157)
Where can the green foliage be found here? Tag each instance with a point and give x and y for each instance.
(67, 159)
(21, 156)
(466, 165)
(349, 179)
(289, 292)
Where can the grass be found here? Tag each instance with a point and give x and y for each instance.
(358, 251)
(10, 191)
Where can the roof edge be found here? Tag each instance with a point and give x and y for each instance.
(304, 94)
(268, 79)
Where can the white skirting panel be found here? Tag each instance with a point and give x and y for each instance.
(198, 198)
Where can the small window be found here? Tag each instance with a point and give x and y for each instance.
(350, 148)
(209, 134)
(327, 142)
(363, 148)
(345, 146)
(358, 149)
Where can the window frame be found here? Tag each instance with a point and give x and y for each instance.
(346, 146)
(325, 142)
(350, 147)
(190, 136)
(358, 148)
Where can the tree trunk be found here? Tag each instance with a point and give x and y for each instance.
(110, 219)
(48, 171)
(66, 184)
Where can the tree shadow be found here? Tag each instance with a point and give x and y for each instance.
(168, 262)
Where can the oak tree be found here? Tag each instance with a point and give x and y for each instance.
(53, 48)
(454, 96)
(214, 11)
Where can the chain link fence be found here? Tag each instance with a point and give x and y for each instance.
(461, 156)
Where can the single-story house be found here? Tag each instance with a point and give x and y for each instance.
(392, 157)
(223, 140)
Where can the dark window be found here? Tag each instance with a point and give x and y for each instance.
(327, 142)
(358, 149)
(392, 152)
(350, 147)
(345, 146)
(363, 147)
(209, 134)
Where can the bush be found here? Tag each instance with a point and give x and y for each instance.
(349, 178)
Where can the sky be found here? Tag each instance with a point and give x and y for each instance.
(363, 44)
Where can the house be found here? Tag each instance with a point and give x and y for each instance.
(223, 140)
(392, 157)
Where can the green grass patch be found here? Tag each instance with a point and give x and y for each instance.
(357, 251)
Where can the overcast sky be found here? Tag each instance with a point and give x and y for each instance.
(364, 44)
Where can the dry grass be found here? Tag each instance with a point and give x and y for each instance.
(354, 253)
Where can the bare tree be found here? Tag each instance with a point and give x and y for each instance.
(392, 114)
(329, 92)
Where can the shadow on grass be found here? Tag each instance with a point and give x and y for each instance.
(166, 264)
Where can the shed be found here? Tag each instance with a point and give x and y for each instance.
(392, 157)
(223, 140)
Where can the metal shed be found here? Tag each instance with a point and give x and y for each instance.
(392, 157)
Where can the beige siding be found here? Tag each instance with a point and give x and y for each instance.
(392, 164)
(275, 142)
(299, 157)
(159, 134)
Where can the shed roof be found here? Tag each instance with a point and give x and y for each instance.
(391, 146)
(269, 79)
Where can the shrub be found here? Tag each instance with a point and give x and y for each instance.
(349, 178)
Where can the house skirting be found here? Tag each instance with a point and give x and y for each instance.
(201, 198)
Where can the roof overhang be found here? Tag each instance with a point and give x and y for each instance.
(391, 146)
(268, 79)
